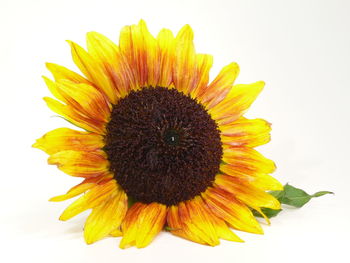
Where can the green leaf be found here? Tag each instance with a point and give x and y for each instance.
(296, 197)
(320, 193)
(292, 196)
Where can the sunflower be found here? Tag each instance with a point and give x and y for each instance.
(159, 146)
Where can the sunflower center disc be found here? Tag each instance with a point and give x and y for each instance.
(162, 146)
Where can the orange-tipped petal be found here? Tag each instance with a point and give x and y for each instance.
(246, 132)
(89, 66)
(220, 86)
(257, 197)
(87, 100)
(225, 206)
(63, 139)
(247, 160)
(80, 163)
(73, 192)
(71, 115)
(236, 103)
(93, 198)
(82, 98)
(112, 61)
(101, 48)
(62, 73)
(152, 54)
(106, 218)
(142, 223)
(178, 227)
(254, 175)
(166, 43)
(201, 77)
(84, 186)
(194, 221)
(185, 59)
(199, 221)
(222, 230)
(141, 51)
(246, 193)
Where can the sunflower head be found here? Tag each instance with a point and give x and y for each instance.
(159, 144)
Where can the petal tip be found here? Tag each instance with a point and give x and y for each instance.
(259, 230)
(142, 22)
(123, 245)
(48, 65)
(47, 99)
(55, 199)
(234, 65)
(63, 218)
(89, 240)
(71, 44)
(48, 81)
(186, 33)
(36, 144)
(261, 84)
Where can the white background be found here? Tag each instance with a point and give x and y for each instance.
(300, 48)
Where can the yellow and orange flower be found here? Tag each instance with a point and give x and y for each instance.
(160, 145)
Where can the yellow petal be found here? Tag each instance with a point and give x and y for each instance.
(86, 185)
(142, 223)
(194, 221)
(89, 66)
(266, 182)
(93, 198)
(62, 73)
(225, 206)
(141, 51)
(221, 228)
(246, 132)
(80, 163)
(166, 43)
(152, 54)
(199, 221)
(219, 87)
(86, 100)
(203, 64)
(63, 139)
(185, 59)
(179, 228)
(106, 217)
(258, 179)
(236, 103)
(246, 193)
(73, 192)
(247, 160)
(109, 57)
(75, 117)
(53, 88)
(83, 98)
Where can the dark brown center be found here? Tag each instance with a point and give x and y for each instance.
(162, 146)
